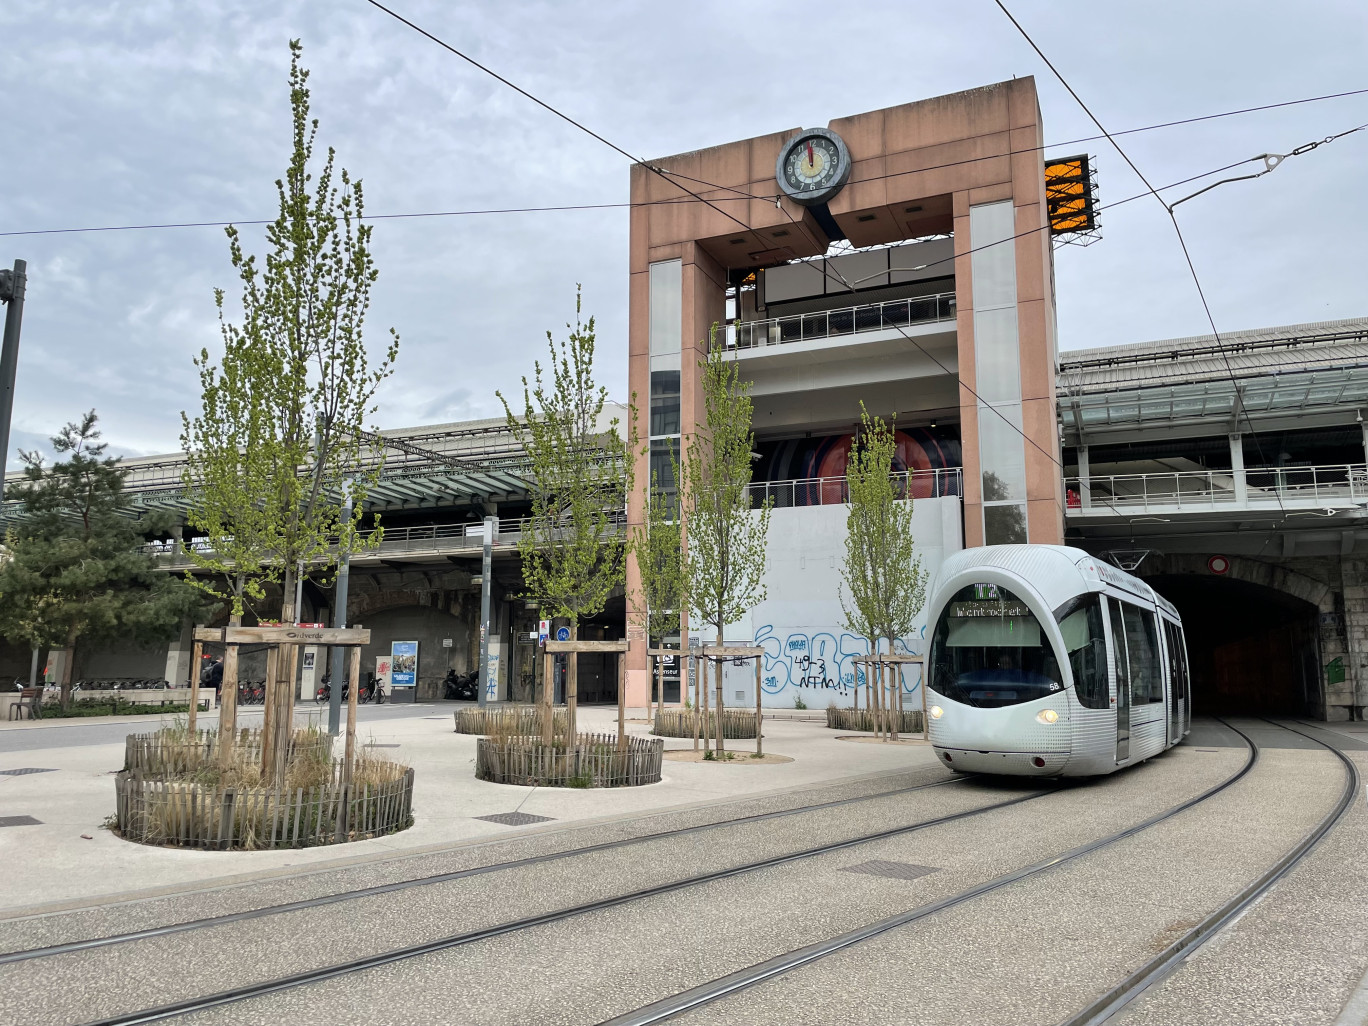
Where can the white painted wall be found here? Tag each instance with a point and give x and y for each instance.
(808, 653)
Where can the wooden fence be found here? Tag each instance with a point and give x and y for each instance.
(178, 752)
(592, 761)
(736, 723)
(188, 815)
(514, 720)
(863, 719)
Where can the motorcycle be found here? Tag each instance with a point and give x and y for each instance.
(462, 688)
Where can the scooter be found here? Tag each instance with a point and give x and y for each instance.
(462, 688)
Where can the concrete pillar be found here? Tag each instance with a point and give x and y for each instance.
(178, 652)
(1350, 696)
(1084, 478)
(57, 661)
(1237, 470)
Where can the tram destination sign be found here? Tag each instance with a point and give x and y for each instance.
(988, 607)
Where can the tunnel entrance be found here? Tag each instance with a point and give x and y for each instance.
(1253, 650)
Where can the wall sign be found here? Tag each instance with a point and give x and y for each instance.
(1218, 565)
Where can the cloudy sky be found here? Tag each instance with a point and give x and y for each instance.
(156, 112)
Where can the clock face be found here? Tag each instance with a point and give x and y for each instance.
(813, 166)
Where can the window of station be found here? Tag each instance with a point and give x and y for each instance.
(988, 650)
(664, 455)
(664, 403)
(1085, 643)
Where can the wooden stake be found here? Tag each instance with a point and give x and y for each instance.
(697, 710)
(895, 672)
(227, 734)
(548, 685)
(759, 733)
(195, 652)
(355, 673)
(622, 702)
(268, 716)
(571, 685)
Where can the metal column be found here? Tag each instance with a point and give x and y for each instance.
(12, 285)
(491, 524)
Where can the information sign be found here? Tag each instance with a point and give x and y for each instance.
(404, 664)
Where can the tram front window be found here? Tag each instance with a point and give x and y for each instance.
(988, 650)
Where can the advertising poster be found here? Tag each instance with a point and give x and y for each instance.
(404, 664)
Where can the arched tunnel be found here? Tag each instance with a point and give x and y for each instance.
(1253, 650)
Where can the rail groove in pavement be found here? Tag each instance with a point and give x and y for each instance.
(293, 980)
(68, 947)
(1175, 954)
(696, 997)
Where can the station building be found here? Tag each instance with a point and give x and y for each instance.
(903, 258)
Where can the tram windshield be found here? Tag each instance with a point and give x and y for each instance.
(988, 650)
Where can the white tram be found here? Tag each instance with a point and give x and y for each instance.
(1043, 660)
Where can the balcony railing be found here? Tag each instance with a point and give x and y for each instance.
(1331, 485)
(851, 320)
(827, 491)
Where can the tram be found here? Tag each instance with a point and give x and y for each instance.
(1046, 661)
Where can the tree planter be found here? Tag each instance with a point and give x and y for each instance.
(186, 814)
(736, 723)
(514, 720)
(167, 753)
(862, 719)
(592, 761)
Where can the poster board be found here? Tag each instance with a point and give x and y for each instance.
(403, 664)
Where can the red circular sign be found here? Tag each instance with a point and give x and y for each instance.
(1218, 564)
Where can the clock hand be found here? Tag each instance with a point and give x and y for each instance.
(810, 161)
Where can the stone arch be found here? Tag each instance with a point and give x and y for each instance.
(1251, 571)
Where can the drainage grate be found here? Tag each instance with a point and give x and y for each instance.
(19, 821)
(515, 818)
(892, 870)
(372, 744)
(434, 717)
(21, 772)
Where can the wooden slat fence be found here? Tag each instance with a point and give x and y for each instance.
(511, 721)
(863, 719)
(178, 752)
(189, 815)
(593, 761)
(736, 723)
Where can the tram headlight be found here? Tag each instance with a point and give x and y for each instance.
(937, 712)
(1047, 716)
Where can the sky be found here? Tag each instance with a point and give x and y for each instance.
(133, 113)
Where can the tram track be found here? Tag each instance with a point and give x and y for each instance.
(299, 979)
(1104, 1008)
(319, 901)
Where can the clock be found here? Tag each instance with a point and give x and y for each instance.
(812, 166)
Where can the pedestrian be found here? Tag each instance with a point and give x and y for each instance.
(213, 677)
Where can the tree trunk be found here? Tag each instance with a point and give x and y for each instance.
(721, 742)
(68, 665)
(897, 699)
(622, 702)
(195, 651)
(268, 713)
(228, 691)
(759, 734)
(697, 711)
(571, 684)
(703, 706)
(856, 687)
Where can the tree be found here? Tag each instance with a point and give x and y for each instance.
(281, 439)
(725, 535)
(882, 573)
(573, 555)
(74, 569)
(281, 442)
(657, 543)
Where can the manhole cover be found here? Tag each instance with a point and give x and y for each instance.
(21, 772)
(892, 870)
(19, 821)
(515, 818)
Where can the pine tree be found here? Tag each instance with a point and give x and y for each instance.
(725, 535)
(74, 569)
(572, 551)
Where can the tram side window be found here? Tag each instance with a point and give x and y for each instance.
(1080, 621)
(1142, 642)
(1179, 660)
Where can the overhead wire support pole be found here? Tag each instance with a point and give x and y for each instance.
(12, 287)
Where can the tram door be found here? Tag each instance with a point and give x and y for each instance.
(1123, 691)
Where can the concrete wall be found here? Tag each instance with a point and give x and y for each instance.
(427, 626)
(808, 654)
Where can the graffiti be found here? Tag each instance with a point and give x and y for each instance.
(816, 659)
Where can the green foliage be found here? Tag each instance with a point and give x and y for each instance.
(882, 573)
(74, 568)
(657, 544)
(572, 554)
(725, 559)
(798, 702)
(115, 707)
(281, 439)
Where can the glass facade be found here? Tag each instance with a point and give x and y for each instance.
(997, 373)
(666, 331)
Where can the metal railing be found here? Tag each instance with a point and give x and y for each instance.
(826, 491)
(848, 320)
(1335, 484)
(398, 540)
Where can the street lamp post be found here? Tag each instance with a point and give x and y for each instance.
(12, 285)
